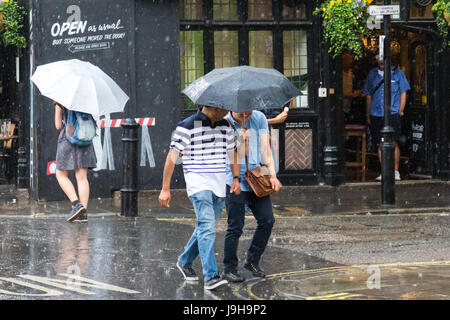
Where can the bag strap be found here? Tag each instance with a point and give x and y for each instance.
(234, 128)
(381, 82)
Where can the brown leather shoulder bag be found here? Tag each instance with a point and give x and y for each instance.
(257, 178)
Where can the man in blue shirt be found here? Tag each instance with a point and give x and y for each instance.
(374, 90)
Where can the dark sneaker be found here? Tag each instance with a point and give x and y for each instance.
(254, 269)
(188, 273)
(82, 217)
(233, 277)
(215, 283)
(77, 209)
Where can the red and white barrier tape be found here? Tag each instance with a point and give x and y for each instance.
(117, 123)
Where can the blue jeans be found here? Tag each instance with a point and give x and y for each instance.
(207, 208)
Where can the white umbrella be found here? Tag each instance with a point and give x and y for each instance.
(80, 86)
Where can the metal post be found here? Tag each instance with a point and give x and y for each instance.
(129, 191)
(387, 144)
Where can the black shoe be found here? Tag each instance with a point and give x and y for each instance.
(82, 217)
(254, 269)
(188, 273)
(233, 277)
(77, 209)
(215, 283)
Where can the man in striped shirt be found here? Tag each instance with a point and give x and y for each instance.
(203, 140)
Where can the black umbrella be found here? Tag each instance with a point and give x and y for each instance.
(242, 88)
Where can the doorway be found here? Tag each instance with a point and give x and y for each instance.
(9, 116)
(412, 53)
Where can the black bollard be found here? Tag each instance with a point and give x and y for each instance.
(129, 191)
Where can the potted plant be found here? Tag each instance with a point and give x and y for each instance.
(11, 17)
(345, 25)
(442, 11)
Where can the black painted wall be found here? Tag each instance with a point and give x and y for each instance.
(138, 48)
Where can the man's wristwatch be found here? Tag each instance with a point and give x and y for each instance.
(237, 177)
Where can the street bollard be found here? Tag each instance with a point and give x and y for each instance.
(129, 191)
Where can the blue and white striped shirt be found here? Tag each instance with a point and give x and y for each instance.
(203, 152)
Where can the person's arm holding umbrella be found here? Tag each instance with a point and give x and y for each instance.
(280, 118)
(58, 116)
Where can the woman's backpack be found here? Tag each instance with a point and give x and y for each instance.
(80, 128)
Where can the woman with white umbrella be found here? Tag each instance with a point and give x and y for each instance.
(78, 86)
(69, 157)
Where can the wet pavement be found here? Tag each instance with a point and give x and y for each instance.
(327, 243)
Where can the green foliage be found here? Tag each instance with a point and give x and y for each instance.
(11, 18)
(442, 11)
(345, 25)
(188, 103)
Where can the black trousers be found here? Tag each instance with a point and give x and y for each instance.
(262, 211)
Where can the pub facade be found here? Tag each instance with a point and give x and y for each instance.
(154, 49)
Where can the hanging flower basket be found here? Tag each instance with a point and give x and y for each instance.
(447, 16)
(1, 21)
(11, 18)
(441, 9)
(345, 25)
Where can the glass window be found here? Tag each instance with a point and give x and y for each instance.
(225, 10)
(293, 10)
(226, 52)
(420, 75)
(191, 9)
(260, 10)
(421, 9)
(191, 56)
(261, 49)
(296, 63)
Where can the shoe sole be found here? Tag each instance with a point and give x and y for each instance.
(217, 285)
(184, 275)
(76, 214)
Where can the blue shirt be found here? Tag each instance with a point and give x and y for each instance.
(257, 124)
(399, 84)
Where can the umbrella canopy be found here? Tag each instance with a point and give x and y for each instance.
(80, 86)
(242, 88)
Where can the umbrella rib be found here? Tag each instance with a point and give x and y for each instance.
(74, 93)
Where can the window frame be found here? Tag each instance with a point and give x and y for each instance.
(243, 26)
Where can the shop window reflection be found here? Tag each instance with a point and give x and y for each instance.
(293, 10)
(225, 10)
(261, 49)
(260, 10)
(420, 79)
(191, 9)
(295, 63)
(191, 56)
(420, 9)
(226, 53)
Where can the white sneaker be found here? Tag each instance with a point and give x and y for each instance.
(397, 176)
(378, 178)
